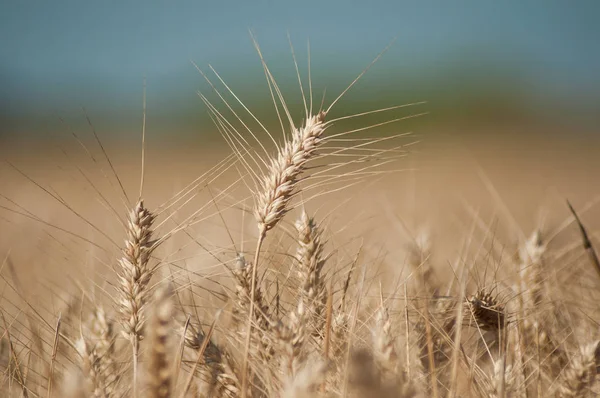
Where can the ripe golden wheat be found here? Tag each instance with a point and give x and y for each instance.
(297, 316)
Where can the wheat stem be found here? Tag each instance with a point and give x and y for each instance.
(261, 237)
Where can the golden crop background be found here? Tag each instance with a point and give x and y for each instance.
(442, 177)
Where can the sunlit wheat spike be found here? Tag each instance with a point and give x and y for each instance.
(135, 272)
(278, 185)
(275, 192)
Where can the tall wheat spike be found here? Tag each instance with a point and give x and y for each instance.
(135, 273)
(275, 192)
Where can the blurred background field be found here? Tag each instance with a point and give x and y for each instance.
(485, 68)
(512, 91)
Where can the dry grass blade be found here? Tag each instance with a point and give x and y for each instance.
(430, 352)
(200, 357)
(53, 356)
(217, 367)
(110, 163)
(13, 357)
(328, 320)
(177, 362)
(587, 243)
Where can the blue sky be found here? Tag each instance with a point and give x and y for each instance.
(61, 55)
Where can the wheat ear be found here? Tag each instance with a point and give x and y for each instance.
(488, 312)
(224, 382)
(502, 382)
(91, 367)
(309, 256)
(243, 277)
(102, 333)
(384, 350)
(134, 277)
(275, 192)
(305, 383)
(311, 298)
(580, 374)
(279, 183)
(159, 370)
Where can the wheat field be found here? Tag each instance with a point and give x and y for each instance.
(326, 254)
